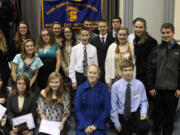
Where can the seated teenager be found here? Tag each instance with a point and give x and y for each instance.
(129, 103)
(20, 102)
(54, 102)
(92, 104)
(4, 91)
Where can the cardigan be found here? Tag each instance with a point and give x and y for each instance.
(110, 63)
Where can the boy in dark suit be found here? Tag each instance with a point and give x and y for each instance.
(102, 42)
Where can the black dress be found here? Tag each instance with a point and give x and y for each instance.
(4, 68)
(48, 58)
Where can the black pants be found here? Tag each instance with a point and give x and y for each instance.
(164, 111)
(134, 125)
(80, 78)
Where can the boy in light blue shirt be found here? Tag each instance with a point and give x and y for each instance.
(129, 103)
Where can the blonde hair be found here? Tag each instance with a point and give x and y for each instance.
(60, 91)
(3, 46)
(96, 66)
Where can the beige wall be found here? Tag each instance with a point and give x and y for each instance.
(121, 5)
(177, 19)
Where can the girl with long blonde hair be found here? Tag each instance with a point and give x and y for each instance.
(54, 102)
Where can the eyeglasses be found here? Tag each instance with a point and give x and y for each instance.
(22, 27)
(23, 84)
(45, 35)
(67, 32)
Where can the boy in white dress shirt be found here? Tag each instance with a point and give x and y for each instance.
(82, 55)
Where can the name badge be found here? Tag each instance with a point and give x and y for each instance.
(33, 67)
(136, 95)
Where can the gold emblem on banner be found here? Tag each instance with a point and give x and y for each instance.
(72, 13)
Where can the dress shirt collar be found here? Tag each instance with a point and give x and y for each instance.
(105, 36)
(125, 82)
(172, 44)
(114, 33)
(84, 45)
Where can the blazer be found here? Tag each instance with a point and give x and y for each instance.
(102, 50)
(111, 33)
(29, 106)
(110, 63)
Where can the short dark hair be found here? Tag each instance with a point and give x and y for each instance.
(117, 17)
(88, 20)
(84, 28)
(168, 26)
(126, 63)
(103, 21)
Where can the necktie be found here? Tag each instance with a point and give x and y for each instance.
(102, 41)
(127, 106)
(85, 64)
(170, 46)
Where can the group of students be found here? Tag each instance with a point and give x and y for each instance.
(101, 68)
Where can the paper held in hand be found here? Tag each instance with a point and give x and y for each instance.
(50, 127)
(28, 119)
(2, 111)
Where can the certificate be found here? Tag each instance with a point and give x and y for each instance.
(28, 119)
(50, 127)
(2, 111)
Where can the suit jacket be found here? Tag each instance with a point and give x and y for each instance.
(29, 106)
(102, 51)
(111, 33)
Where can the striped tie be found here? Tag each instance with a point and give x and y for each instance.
(85, 64)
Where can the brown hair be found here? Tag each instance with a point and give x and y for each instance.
(74, 40)
(126, 63)
(48, 90)
(117, 41)
(3, 46)
(23, 50)
(56, 22)
(145, 35)
(40, 42)
(27, 83)
(168, 26)
(84, 29)
(3, 90)
(103, 20)
(87, 20)
(18, 36)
